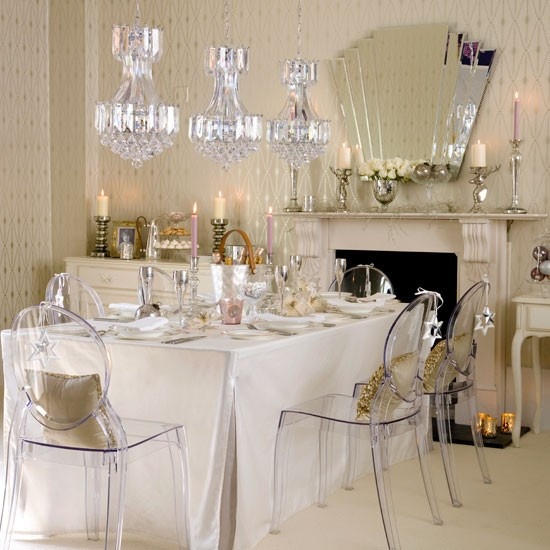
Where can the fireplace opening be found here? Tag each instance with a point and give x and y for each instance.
(409, 271)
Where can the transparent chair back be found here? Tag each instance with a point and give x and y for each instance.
(455, 383)
(72, 293)
(62, 369)
(364, 281)
(395, 410)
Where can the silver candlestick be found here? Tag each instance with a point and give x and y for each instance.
(480, 191)
(343, 175)
(515, 164)
(101, 249)
(218, 229)
(193, 286)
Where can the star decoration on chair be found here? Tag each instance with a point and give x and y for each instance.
(485, 320)
(43, 350)
(432, 329)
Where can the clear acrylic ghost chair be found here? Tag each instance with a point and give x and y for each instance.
(395, 410)
(450, 379)
(71, 292)
(63, 415)
(364, 281)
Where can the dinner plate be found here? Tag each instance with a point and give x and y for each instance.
(249, 334)
(332, 317)
(329, 295)
(287, 325)
(359, 309)
(140, 334)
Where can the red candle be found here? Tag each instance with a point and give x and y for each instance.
(270, 231)
(194, 232)
(516, 116)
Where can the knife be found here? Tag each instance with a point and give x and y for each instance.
(183, 339)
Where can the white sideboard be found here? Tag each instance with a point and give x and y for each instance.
(116, 280)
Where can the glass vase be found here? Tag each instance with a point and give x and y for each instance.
(384, 191)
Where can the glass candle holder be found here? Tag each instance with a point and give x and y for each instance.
(507, 421)
(489, 428)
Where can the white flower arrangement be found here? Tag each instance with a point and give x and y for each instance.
(387, 169)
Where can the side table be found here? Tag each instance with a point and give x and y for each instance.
(532, 320)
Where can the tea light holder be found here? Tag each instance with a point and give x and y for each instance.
(480, 419)
(489, 427)
(101, 249)
(218, 229)
(507, 421)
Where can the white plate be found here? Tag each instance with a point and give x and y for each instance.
(358, 309)
(332, 317)
(140, 334)
(249, 334)
(287, 325)
(329, 295)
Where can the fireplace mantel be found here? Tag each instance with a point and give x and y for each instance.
(480, 242)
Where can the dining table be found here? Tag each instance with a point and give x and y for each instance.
(227, 388)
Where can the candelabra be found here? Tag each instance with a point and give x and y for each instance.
(269, 301)
(101, 248)
(218, 229)
(515, 164)
(193, 286)
(480, 191)
(343, 175)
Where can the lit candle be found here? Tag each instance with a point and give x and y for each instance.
(270, 231)
(194, 232)
(219, 207)
(102, 205)
(359, 158)
(478, 155)
(343, 159)
(516, 116)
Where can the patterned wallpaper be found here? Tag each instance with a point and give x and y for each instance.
(52, 164)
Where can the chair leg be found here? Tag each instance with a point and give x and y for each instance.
(180, 482)
(92, 490)
(116, 488)
(380, 449)
(425, 468)
(351, 466)
(281, 457)
(446, 446)
(325, 460)
(477, 435)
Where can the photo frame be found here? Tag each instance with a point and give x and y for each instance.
(124, 231)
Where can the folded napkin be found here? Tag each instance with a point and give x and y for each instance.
(273, 318)
(145, 324)
(378, 297)
(124, 307)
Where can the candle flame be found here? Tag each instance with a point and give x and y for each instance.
(270, 211)
(220, 194)
(195, 208)
(102, 193)
(516, 95)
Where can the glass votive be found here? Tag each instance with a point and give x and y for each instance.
(507, 421)
(489, 428)
(480, 419)
(309, 203)
(231, 310)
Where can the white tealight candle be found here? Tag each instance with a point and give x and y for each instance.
(478, 155)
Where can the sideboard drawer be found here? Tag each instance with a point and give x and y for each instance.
(538, 318)
(109, 278)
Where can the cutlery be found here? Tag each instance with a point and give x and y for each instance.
(183, 339)
(282, 332)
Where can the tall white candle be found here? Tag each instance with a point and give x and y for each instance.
(516, 116)
(359, 158)
(194, 232)
(343, 160)
(270, 231)
(219, 207)
(102, 205)
(478, 155)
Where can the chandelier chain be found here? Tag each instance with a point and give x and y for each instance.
(226, 16)
(299, 29)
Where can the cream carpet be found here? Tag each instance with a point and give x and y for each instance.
(513, 513)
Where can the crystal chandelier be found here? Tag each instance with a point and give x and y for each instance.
(135, 124)
(226, 132)
(298, 135)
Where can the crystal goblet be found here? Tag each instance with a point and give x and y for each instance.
(181, 280)
(295, 264)
(281, 277)
(254, 290)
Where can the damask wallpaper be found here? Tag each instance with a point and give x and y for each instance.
(56, 63)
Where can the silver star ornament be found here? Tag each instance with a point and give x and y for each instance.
(485, 320)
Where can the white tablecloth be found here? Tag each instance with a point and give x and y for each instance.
(228, 394)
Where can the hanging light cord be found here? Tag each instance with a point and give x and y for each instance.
(226, 15)
(299, 29)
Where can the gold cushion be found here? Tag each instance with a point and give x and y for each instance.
(65, 399)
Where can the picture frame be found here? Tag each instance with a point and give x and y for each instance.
(124, 231)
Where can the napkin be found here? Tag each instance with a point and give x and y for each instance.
(124, 307)
(272, 318)
(380, 297)
(147, 323)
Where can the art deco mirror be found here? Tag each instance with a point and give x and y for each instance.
(413, 92)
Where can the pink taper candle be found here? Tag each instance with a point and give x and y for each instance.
(516, 116)
(270, 231)
(194, 232)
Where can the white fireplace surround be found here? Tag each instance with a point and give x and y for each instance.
(480, 242)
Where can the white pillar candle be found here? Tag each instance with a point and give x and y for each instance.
(359, 158)
(343, 160)
(478, 155)
(102, 205)
(219, 207)
(270, 231)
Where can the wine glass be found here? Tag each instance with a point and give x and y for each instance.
(254, 290)
(281, 277)
(339, 269)
(295, 265)
(181, 280)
